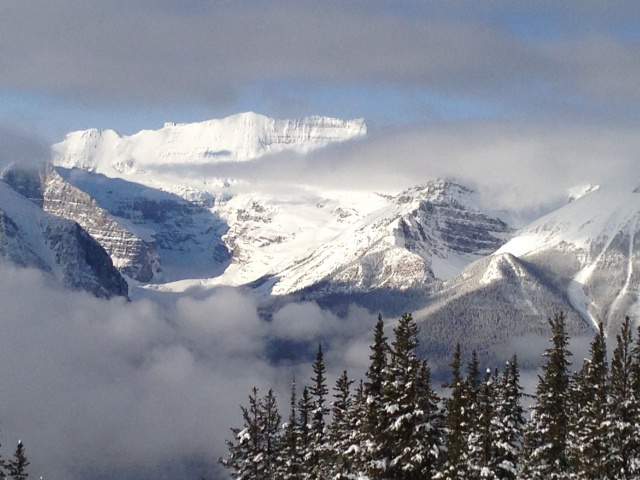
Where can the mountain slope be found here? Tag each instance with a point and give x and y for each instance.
(32, 238)
(288, 241)
(590, 249)
(133, 253)
(423, 234)
(492, 303)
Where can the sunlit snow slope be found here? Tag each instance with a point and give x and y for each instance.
(241, 137)
(591, 248)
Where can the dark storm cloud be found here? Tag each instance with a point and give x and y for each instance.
(208, 51)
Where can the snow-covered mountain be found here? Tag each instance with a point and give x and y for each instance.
(582, 259)
(301, 240)
(433, 241)
(590, 250)
(241, 137)
(32, 238)
(423, 234)
(496, 302)
(131, 250)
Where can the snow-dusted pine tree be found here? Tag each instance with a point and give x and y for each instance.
(270, 423)
(253, 455)
(341, 432)
(305, 435)
(356, 418)
(374, 425)
(545, 451)
(507, 427)
(414, 424)
(246, 449)
(588, 447)
(479, 454)
(623, 408)
(17, 466)
(318, 450)
(291, 455)
(456, 426)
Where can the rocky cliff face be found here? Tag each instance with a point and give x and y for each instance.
(424, 234)
(182, 237)
(30, 237)
(132, 255)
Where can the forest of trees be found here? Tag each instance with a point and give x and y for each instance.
(393, 425)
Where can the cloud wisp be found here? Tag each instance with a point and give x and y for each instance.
(516, 166)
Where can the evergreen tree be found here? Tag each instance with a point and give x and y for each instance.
(479, 455)
(292, 457)
(318, 447)
(245, 450)
(623, 408)
(373, 428)
(341, 431)
(588, 448)
(305, 437)
(473, 377)
(456, 429)
(413, 435)
(17, 466)
(356, 417)
(319, 392)
(508, 423)
(254, 453)
(546, 436)
(270, 421)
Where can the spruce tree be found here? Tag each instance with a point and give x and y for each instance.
(373, 428)
(545, 454)
(341, 431)
(479, 454)
(319, 391)
(473, 377)
(588, 448)
(270, 421)
(413, 435)
(246, 448)
(305, 436)
(356, 418)
(292, 458)
(17, 466)
(456, 423)
(623, 408)
(508, 423)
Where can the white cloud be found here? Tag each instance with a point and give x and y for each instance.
(90, 384)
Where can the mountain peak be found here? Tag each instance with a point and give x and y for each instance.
(241, 137)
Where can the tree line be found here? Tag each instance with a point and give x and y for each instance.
(393, 425)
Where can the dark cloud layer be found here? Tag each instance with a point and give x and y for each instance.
(571, 54)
